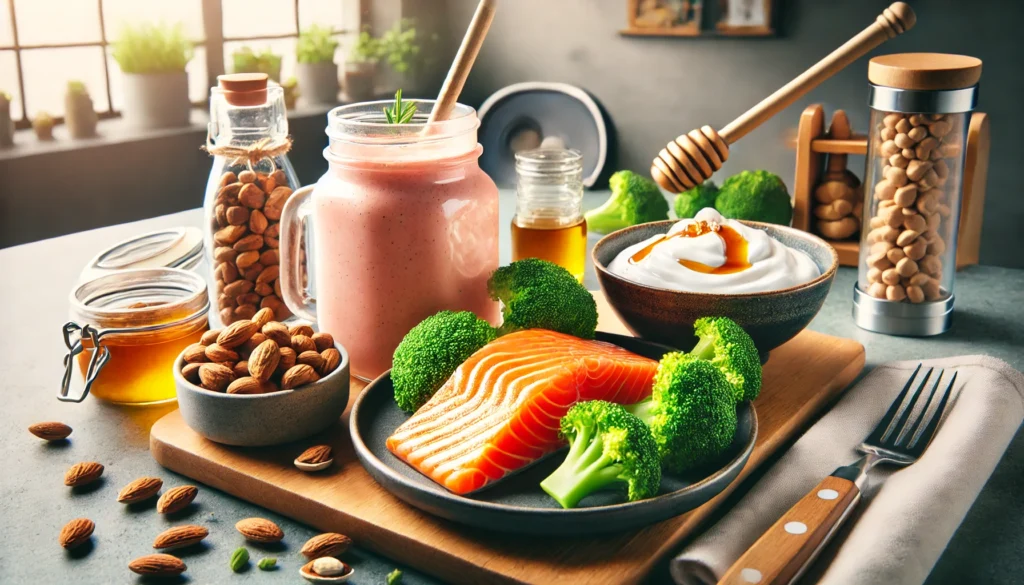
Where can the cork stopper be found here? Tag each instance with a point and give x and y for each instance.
(924, 71)
(244, 89)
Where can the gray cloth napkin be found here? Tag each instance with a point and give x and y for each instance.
(904, 522)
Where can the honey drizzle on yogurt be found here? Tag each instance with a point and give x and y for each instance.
(736, 257)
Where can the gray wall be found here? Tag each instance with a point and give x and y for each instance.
(657, 88)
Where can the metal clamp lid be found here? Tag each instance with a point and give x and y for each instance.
(73, 336)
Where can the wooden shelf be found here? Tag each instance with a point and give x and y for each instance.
(678, 31)
(848, 251)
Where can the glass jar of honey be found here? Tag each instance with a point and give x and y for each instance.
(126, 330)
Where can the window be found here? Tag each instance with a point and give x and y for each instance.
(40, 53)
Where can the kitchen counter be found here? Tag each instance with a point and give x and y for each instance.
(34, 503)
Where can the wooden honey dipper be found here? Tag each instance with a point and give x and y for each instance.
(692, 158)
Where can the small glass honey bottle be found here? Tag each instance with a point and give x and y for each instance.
(549, 220)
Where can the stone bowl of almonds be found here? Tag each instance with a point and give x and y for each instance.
(258, 382)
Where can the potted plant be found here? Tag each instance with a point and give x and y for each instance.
(245, 60)
(361, 67)
(79, 115)
(291, 92)
(402, 47)
(153, 59)
(42, 124)
(6, 123)
(316, 71)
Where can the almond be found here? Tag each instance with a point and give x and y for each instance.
(257, 222)
(263, 316)
(140, 489)
(270, 258)
(158, 564)
(301, 343)
(244, 261)
(322, 340)
(330, 544)
(253, 342)
(298, 375)
(275, 202)
(264, 359)
(238, 332)
(224, 254)
(246, 385)
(312, 359)
(218, 353)
(191, 372)
(268, 274)
(252, 196)
(180, 537)
(241, 369)
(83, 473)
(176, 499)
(195, 354)
(210, 337)
(76, 532)
(216, 377)
(288, 357)
(250, 243)
(301, 329)
(229, 235)
(237, 215)
(50, 431)
(247, 176)
(259, 530)
(279, 333)
(332, 359)
(315, 454)
(226, 179)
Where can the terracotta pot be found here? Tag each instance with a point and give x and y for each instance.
(359, 81)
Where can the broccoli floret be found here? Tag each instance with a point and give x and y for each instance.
(688, 203)
(728, 347)
(635, 199)
(431, 351)
(394, 577)
(691, 412)
(607, 446)
(538, 294)
(755, 196)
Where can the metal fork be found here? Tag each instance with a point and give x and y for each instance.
(785, 551)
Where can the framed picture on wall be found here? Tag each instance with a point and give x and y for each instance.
(748, 18)
(679, 18)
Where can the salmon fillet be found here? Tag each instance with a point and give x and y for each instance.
(501, 408)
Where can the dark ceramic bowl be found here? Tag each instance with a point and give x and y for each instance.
(258, 420)
(666, 316)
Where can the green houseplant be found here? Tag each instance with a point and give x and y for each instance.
(6, 123)
(361, 67)
(407, 53)
(245, 60)
(153, 59)
(79, 114)
(316, 71)
(291, 92)
(42, 124)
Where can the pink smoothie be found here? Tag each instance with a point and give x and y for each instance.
(394, 244)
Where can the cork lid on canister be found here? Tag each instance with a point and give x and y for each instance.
(924, 71)
(244, 89)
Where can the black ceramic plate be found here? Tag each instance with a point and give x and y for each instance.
(516, 503)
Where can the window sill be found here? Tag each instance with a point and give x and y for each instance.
(116, 131)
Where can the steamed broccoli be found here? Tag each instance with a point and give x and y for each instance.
(607, 446)
(538, 294)
(755, 196)
(728, 347)
(431, 351)
(635, 199)
(688, 203)
(691, 412)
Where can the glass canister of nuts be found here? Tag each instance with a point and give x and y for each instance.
(250, 182)
(920, 110)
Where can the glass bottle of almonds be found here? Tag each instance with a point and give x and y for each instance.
(249, 183)
(920, 110)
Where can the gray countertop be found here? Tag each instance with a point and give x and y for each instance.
(34, 503)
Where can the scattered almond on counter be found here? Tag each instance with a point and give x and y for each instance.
(76, 532)
(140, 489)
(50, 431)
(259, 530)
(329, 544)
(180, 537)
(83, 473)
(315, 458)
(176, 499)
(157, 565)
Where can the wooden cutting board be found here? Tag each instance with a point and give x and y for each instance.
(801, 378)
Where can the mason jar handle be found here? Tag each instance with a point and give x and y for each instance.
(294, 228)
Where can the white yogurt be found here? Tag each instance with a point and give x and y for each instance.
(772, 265)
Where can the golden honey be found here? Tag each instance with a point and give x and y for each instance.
(565, 245)
(144, 319)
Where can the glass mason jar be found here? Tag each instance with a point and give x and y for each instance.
(250, 181)
(920, 109)
(403, 224)
(127, 329)
(549, 220)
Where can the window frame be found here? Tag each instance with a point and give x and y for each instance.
(213, 42)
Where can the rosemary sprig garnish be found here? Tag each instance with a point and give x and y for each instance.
(400, 113)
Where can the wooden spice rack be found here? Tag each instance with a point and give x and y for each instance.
(812, 144)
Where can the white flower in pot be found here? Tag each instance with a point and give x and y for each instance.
(316, 70)
(79, 114)
(361, 67)
(153, 59)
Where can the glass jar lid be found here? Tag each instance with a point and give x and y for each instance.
(180, 247)
(925, 83)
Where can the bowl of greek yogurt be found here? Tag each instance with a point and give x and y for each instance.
(660, 277)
